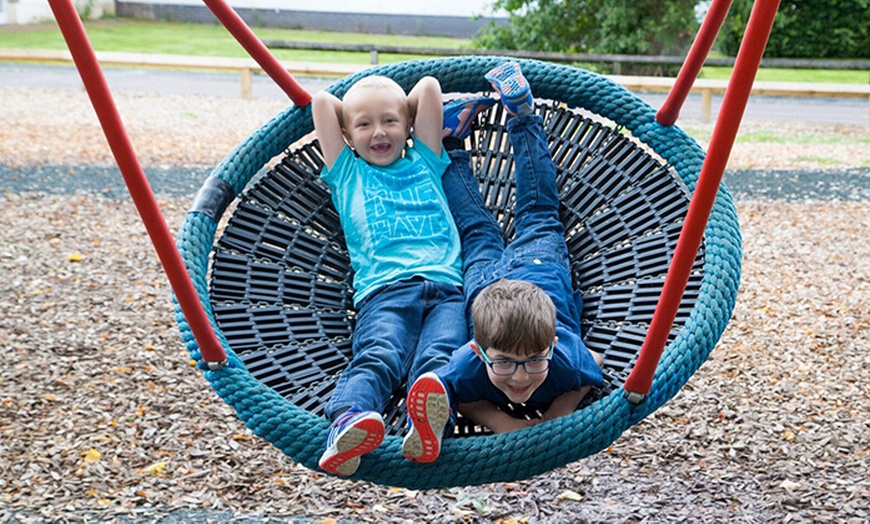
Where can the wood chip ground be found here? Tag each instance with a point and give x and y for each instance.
(103, 419)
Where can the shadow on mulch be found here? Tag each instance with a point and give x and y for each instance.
(775, 184)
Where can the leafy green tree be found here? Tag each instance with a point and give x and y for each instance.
(806, 29)
(647, 27)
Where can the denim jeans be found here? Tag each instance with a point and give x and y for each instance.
(540, 235)
(403, 330)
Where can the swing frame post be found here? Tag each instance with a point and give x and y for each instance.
(639, 381)
(73, 31)
(670, 110)
(258, 51)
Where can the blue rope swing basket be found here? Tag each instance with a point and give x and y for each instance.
(281, 414)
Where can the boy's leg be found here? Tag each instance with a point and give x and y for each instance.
(480, 234)
(540, 235)
(443, 329)
(537, 204)
(386, 332)
(384, 338)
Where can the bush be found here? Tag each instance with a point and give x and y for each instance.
(806, 29)
(637, 27)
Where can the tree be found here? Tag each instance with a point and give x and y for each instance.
(806, 29)
(647, 27)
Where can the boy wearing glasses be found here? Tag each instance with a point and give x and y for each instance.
(525, 316)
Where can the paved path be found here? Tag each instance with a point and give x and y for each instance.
(836, 111)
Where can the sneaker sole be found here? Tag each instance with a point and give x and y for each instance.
(508, 80)
(362, 438)
(428, 407)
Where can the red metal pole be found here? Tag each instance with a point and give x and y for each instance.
(670, 110)
(143, 197)
(258, 51)
(758, 29)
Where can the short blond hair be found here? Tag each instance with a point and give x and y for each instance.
(514, 316)
(374, 82)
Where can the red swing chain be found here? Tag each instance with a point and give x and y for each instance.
(670, 110)
(140, 190)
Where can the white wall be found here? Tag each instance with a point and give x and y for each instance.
(466, 8)
(36, 11)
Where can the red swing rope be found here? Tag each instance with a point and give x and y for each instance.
(639, 381)
(95, 84)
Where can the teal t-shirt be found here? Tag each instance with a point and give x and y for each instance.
(395, 219)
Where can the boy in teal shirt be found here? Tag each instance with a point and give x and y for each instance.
(404, 249)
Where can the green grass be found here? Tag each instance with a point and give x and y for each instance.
(139, 36)
(773, 137)
(776, 137)
(832, 76)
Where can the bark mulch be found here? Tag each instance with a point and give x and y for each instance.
(103, 419)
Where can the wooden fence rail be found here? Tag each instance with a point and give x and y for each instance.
(615, 61)
(247, 67)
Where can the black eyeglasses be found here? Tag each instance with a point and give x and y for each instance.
(504, 367)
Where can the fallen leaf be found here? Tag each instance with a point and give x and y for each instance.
(154, 469)
(92, 455)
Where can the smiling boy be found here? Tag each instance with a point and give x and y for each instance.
(527, 346)
(383, 165)
(516, 357)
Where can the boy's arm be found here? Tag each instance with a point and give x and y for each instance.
(326, 111)
(565, 404)
(486, 414)
(426, 107)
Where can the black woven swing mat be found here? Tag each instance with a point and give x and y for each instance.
(280, 273)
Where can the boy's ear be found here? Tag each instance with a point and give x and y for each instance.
(475, 348)
(346, 138)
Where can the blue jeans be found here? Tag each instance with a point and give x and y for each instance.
(540, 235)
(403, 330)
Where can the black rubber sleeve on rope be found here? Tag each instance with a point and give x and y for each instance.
(213, 198)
